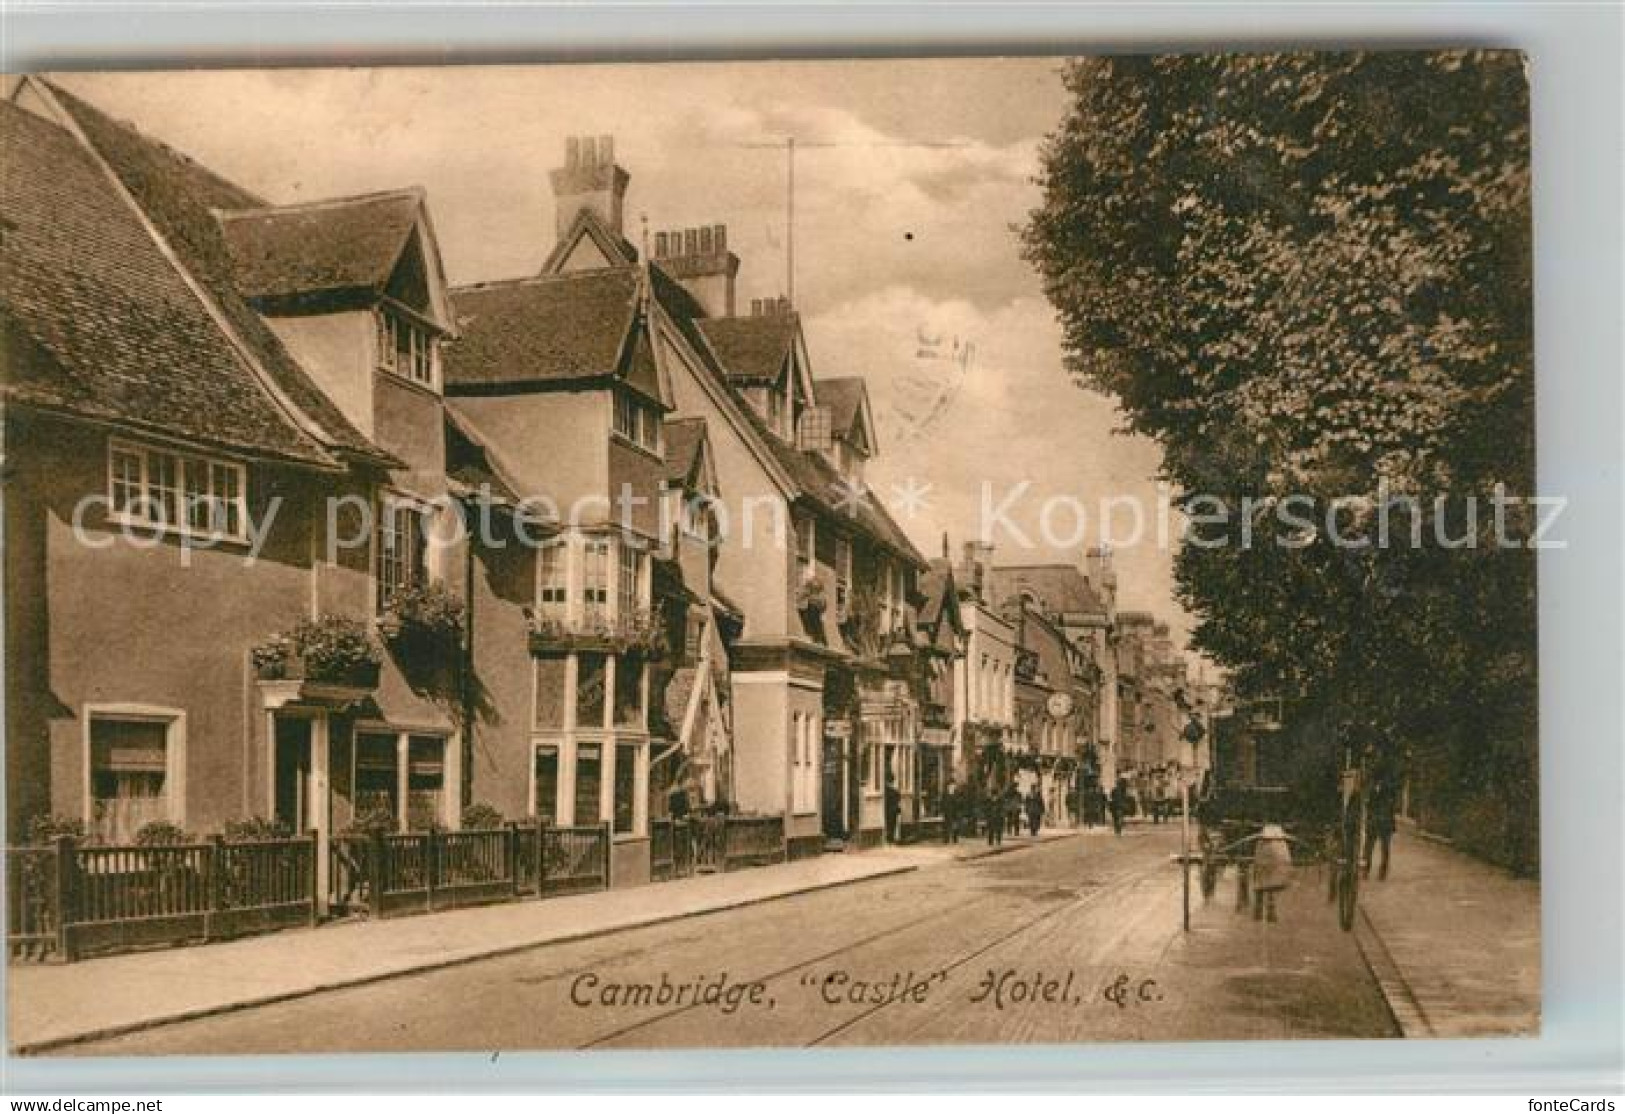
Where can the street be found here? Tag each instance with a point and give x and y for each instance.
(1074, 940)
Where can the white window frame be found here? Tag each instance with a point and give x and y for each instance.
(389, 505)
(174, 720)
(213, 467)
(423, 344)
(553, 578)
(450, 774)
(806, 564)
(636, 421)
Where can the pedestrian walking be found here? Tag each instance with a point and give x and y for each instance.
(993, 815)
(1379, 825)
(1012, 810)
(1272, 869)
(893, 812)
(950, 812)
(1035, 810)
(1118, 804)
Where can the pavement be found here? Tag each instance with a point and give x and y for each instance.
(1453, 941)
(1073, 941)
(51, 1005)
(1445, 946)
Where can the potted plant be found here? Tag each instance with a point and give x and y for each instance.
(331, 649)
(810, 597)
(424, 616)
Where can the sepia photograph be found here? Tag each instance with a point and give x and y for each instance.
(770, 554)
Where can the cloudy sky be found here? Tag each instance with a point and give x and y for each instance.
(909, 178)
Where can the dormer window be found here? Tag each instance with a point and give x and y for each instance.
(637, 421)
(407, 348)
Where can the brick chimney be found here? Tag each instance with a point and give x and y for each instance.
(589, 179)
(699, 259)
(977, 561)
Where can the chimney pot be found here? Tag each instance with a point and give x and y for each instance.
(721, 237)
(606, 150)
(705, 241)
(572, 152)
(660, 245)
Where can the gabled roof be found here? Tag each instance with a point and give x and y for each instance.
(1059, 589)
(685, 452)
(111, 329)
(810, 476)
(940, 601)
(616, 251)
(754, 350)
(337, 245)
(849, 415)
(177, 196)
(542, 331)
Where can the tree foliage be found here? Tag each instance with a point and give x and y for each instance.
(1309, 276)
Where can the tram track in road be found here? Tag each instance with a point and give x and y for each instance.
(1115, 886)
(1105, 889)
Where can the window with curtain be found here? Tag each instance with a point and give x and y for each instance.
(589, 779)
(425, 781)
(629, 692)
(626, 773)
(553, 579)
(591, 676)
(377, 774)
(628, 580)
(402, 548)
(550, 690)
(547, 782)
(595, 577)
(129, 777)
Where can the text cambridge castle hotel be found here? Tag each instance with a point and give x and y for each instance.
(181, 357)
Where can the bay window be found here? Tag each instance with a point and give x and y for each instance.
(589, 775)
(595, 577)
(553, 580)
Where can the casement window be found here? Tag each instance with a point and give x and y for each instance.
(406, 348)
(804, 549)
(401, 775)
(402, 548)
(843, 573)
(595, 577)
(130, 776)
(193, 494)
(626, 787)
(547, 782)
(592, 674)
(628, 580)
(637, 421)
(553, 579)
(629, 692)
(589, 779)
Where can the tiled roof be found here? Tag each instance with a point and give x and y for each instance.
(122, 338)
(753, 349)
(813, 477)
(343, 244)
(555, 329)
(178, 196)
(684, 436)
(843, 397)
(1061, 589)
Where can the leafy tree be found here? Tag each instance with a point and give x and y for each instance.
(1308, 277)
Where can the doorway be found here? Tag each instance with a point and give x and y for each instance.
(293, 799)
(832, 798)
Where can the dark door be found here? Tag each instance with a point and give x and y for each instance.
(292, 773)
(832, 801)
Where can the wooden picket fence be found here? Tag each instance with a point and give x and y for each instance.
(68, 900)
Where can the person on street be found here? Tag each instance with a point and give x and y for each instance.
(1012, 810)
(1118, 804)
(1272, 870)
(993, 815)
(1379, 828)
(1035, 810)
(950, 812)
(893, 812)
